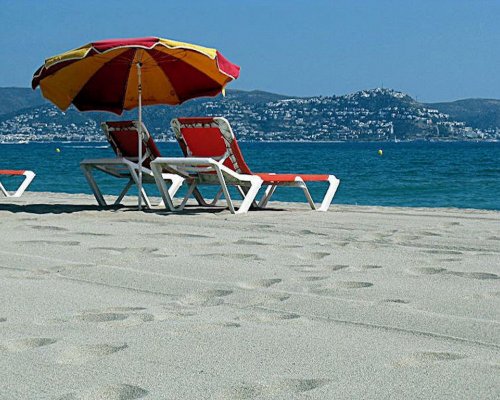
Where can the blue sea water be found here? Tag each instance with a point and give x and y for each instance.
(421, 174)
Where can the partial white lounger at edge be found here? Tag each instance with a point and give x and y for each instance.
(28, 177)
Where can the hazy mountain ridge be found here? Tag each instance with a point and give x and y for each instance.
(368, 115)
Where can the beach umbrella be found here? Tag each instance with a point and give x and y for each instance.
(122, 74)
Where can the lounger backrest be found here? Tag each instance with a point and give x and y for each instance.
(210, 137)
(123, 136)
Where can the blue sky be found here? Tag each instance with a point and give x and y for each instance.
(435, 50)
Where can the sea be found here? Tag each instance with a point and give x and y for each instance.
(405, 174)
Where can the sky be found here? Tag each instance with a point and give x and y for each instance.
(434, 50)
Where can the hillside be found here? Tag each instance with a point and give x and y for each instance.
(15, 99)
(369, 115)
(479, 113)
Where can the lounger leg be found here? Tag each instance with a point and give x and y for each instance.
(303, 186)
(166, 193)
(135, 177)
(3, 190)
(28, 177)
(124, 191)
(217, 197)
(201, 200)
(330, 192)
(249, 199)
(87, 172)
(190, 191)
(267, 196)
(177, 182)
(226, 191)
(243, 191)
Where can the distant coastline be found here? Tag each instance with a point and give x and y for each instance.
(375, 115)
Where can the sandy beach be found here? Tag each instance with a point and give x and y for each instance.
(355, 303)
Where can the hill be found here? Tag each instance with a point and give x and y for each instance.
(15, 99)
(479, 113)
(368, 115)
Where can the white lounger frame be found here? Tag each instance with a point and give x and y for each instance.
(122, 167)
(28, 178)
(248, 185)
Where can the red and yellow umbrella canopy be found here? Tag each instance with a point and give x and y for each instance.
(103, 75)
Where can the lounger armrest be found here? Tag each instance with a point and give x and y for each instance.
(185, 164)
(107, 161)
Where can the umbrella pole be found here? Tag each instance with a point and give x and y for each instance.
(139, 90)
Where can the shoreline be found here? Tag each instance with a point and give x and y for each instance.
(280, 204)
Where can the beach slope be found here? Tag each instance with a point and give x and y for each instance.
(358, 302)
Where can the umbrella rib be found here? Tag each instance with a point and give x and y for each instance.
(125, 83)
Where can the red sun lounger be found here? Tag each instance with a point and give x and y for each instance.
(28, 177)
(213, 157)
(123, 136)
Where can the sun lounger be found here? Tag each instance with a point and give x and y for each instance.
(213, 157)
(123, 137)
(28, 177)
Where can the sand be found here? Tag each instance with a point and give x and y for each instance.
(359, 302)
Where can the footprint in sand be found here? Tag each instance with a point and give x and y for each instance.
(470, 275)
(207, 298)
(289, 387)
(308, 232)
(121, 250)
(191, 236)
(429, 357)
(307, 268)
(52, 242)
(267, 316)
(259, 284)
(338, 267)
(396, 301)
(314, 278)
(371, 266)
(48, 228)
(317, 255)
(83, 353)
(251, 242)
(100, 317)
(121, 316)
(234, 256)
(445, 252)
(2, 319)
(267, 298)
(429, 270)
(109, 392)
(429, 233)
(93, 234)
(126, 309)
(18, 345)
(475, 275)
(334, 288)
